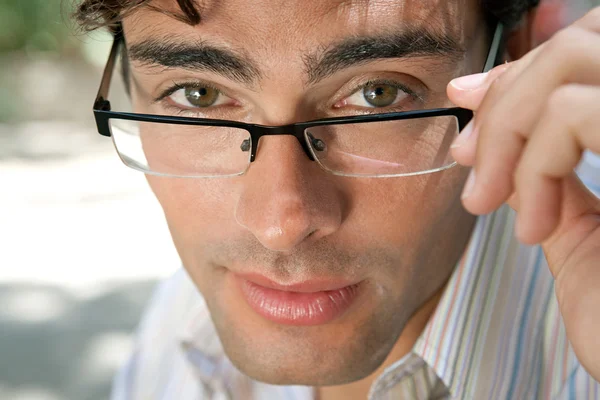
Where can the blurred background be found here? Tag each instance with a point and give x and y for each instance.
(82, 240)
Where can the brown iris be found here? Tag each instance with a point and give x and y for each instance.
(380, 95)
(201, 96)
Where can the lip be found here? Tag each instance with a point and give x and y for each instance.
(308, 303)
(309, 286)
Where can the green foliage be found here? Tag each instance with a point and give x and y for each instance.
(35, 25)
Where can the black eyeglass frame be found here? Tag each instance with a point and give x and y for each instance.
(103, 113)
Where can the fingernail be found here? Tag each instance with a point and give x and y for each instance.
(469, 185)
(464, 135)
(469, 82)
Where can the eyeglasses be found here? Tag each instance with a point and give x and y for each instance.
(378, 145)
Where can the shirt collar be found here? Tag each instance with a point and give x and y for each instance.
(200, 342)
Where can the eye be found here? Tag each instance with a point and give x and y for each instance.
(198, 97)
(380, 95)
(377, 95)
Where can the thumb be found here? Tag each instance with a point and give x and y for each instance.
(469, 91)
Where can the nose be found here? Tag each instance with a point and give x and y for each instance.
(287, 200)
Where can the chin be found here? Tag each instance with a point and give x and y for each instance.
(338, 370)
(343, 350)
(325, 355)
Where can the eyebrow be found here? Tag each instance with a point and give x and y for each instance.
(404, 44)
(171, 52)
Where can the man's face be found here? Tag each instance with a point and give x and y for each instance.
(366, 253)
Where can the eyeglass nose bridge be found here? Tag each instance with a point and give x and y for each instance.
(257, 131)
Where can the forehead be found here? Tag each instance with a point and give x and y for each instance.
(280, 26)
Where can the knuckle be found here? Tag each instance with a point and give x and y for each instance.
(564, 45)
(593, 16)
(499, 70)
(570, 48)
(560, 105)
(497, 80)
(559, 99)
(496, 83)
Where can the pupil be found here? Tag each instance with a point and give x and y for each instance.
(380, 95)
(202, 96)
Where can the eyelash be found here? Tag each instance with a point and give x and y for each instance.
(182, 85)
(400, 86)
(186, 84)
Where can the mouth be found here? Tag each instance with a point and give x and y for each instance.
(307, 303)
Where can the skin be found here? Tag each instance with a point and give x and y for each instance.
(288, 219)
(534, 119)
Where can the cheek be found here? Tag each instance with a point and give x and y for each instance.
(421, 223)
(400, 211)
(196, 210)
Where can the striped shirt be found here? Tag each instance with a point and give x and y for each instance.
(496, 333)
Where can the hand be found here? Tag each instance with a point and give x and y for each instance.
(534, 118)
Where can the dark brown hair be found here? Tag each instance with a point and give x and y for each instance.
(92, 14)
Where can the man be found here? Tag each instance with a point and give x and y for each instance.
(334, 259)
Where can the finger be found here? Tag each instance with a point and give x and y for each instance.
(590, 21)
(504, 123)
(464, 149)
(568, 126)
(468, 91)
(501, 77)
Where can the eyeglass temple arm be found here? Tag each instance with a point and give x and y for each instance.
(465, 116)
(101, 103)
(494, 48)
